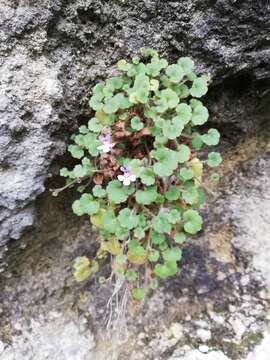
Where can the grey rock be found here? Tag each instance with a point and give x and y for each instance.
(197, 355)
(204, 335)
(252, 217)
(58, 338)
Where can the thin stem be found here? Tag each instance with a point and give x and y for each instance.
(64, 187)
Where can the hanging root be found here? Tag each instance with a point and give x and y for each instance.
(115, 320)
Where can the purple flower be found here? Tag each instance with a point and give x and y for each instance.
(127, 176)
(106, 143)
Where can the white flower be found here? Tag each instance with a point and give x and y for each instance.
(106, 146)
(127, 176)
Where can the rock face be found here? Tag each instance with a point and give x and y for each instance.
(52, 51)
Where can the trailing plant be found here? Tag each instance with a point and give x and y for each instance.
(140, 174)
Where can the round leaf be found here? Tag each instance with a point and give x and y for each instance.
(214, 159)
(199, 115)
(172, 254)
(211, 138)
(128, 219)
(199, 87)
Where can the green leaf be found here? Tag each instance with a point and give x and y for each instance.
(137, 255)
(196, 141)
(153, 68)
(95, 103)
(147, 176)
(180, 238)
(105, 119)
(172, 194)
(187, 64)
(147, 196)
(133, 244)
(82, 268)
(91, 143)
(141, 88)
(76, 151)
(83, 129)
(136, 60)
(148, 52)
(82, 273)
(153, 284)
(113, 246)
(122, 101)
(131, 275)
(175, 73)
(123, 65)
(170, 98)
(157, 238)
(64, 172)
(116, 82)
(200, 199)
(199, 115)
(183, 153)
(111, 106)
(154, 84)
(153, 256)
(193, 221)
(97, 218)
(184, 112)
(190, 195)
(122, 233)
(139, 233)
(186, 174)
(121, 259)
(138, 293)
(136, 69)
(165, 270)
(199, 87)
(215, 177)
(128, 219)
(79, 171)
(86, 205)
(136, 123)
(161, 224)
(94, 125)
(136, 166)
(98, 91)
(211, 138)
(172, 254)
(163, 246)
(98, 191)
(173, 128)
(174, 216)
(167, 161)
(214, 159)
(117, 193)
(109, 221)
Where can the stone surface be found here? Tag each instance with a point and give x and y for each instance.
(52, 51)
(197, 355)
(52, 338)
